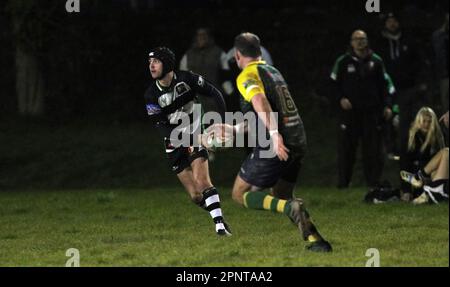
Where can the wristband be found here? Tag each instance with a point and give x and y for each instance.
(273, 132)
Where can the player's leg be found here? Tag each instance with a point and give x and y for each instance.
(252, 197)
(193, 181)
(187, 179)
(240, 187)
(283, 190)
(252, 184)
(179, 163)
(200, 171)
(210, 196)
(301, 218)
(298, 213)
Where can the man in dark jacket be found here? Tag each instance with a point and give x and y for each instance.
(403, 63)
(363, 90)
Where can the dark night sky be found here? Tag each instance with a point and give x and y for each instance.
(94, 62)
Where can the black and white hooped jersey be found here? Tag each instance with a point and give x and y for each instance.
(168, 105)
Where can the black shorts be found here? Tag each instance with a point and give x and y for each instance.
(265, 172)
(182, 157)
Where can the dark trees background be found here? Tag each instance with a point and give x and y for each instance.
(61, 66)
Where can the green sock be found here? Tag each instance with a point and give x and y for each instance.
(264, 201)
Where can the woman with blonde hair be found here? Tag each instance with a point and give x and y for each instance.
(424, 142)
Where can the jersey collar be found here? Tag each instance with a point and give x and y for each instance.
(255, 63)
(161, 88)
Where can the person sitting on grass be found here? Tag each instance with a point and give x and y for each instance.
(433, 179)
(425, 141)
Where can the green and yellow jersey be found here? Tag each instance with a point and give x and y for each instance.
(261, 78)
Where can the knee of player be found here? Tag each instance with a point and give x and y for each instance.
(446, 151)
(202, 185)
(237, 196)
(196, 198)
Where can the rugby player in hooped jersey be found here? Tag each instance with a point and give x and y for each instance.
(170, 97)
(263, 91)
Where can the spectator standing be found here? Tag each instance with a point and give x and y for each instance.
(205, 58)
(403, 63)
(364, 100)
(209, 60)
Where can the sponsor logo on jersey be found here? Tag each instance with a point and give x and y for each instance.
(153, 109)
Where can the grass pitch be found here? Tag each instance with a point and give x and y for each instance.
(160, 227)
(107, 191)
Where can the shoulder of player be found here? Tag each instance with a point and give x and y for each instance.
(187, 77)
(193, 80)
(251, 71)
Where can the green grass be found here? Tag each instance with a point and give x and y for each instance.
(160, 227)
(106, 190)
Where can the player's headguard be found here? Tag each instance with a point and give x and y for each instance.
(167, 58)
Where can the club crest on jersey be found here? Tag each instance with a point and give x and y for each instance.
(249, 83)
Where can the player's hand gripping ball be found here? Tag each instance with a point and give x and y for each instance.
(217, 136)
